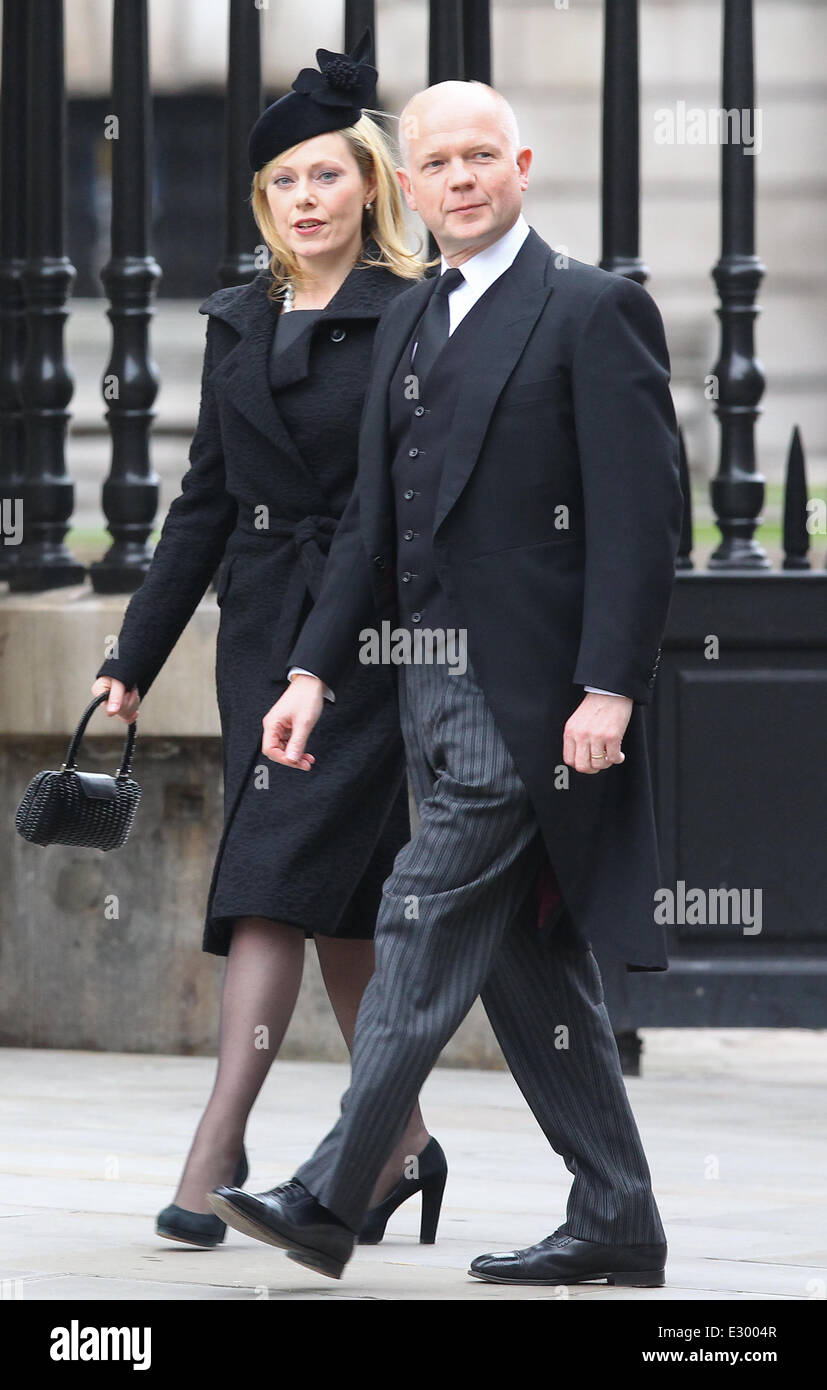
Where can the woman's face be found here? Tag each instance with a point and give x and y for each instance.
(317, 198)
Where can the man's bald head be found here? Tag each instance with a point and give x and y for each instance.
(457, 100)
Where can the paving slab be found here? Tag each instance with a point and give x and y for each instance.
(733, 1122)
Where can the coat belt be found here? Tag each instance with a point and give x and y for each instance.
(312, 537)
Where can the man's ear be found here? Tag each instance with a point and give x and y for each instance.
(405, 184)
(524, 157)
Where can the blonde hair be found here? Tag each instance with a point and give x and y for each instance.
(385, 222)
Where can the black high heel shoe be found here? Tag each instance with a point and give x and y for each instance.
(433, 1170)
(196, 1227)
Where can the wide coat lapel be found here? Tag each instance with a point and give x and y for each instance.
(491, 360)
(242, 376)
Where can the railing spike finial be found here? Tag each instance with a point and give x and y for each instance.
(796, 536)
(684, 556)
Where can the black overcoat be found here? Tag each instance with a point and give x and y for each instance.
(556, 530)
(272, 467)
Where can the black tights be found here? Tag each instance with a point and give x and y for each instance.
(261, 985)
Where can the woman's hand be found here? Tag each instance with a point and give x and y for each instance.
(121, 701)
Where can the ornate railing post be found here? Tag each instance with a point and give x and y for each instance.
(446, 60)
(459, 48)
(621, 142)
(359, 15)
(738, 489)
(46, 387)
(476, 40)
(243, 107)
(12, 253)
(131, 492)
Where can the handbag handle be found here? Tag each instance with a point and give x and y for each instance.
(126, 761)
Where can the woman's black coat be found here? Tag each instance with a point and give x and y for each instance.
(272, 467)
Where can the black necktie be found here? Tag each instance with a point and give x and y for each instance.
(432, 334)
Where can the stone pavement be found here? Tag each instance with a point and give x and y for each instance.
(733, 1122)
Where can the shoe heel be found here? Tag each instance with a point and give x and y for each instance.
(431, 1206)
(638, 1278)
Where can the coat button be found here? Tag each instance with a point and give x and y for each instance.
(416, 617)
(379, 562)
(408, 494)
(408, 535)
(336, 335)
(420, 410)
(412, 453)
(406, 577)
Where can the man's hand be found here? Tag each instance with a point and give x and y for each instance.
(289, 724)
(591, 738)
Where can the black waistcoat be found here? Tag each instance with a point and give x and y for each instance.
(419, 426)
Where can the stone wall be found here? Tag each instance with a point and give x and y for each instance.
(103, 951)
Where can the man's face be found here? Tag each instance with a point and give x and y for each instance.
(463, 177)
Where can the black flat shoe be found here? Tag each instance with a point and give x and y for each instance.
(563, 1259)
(196, 1227)
(433, 1170)
(289, 1217)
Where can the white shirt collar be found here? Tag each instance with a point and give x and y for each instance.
(486, 266)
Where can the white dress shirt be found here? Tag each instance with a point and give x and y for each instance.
(480, 272)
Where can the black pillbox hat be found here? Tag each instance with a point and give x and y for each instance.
(329, 99)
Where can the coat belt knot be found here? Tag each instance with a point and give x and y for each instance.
(312, 537)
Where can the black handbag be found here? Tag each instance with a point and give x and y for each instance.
(81, 808)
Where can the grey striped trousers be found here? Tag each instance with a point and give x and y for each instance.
(457, 920)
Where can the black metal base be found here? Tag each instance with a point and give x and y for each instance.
(630, 1046)
(29, 579)
(118, 576)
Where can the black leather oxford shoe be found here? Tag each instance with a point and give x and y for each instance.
(290, 1217)
(563, 1259)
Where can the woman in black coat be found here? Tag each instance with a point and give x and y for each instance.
(272, 466)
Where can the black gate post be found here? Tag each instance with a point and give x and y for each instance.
(621, 141)
(446, 60)
(131, 492)
(46, 387)
(243, 107)
(476, 40)
(620, 224)
(360, 15)
(738, 489)
(459, 49)
(12, 253)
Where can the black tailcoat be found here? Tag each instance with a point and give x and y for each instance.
(555, 534)
(272, 467)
